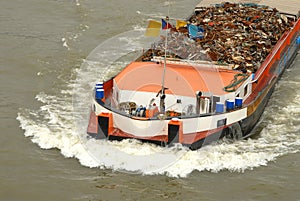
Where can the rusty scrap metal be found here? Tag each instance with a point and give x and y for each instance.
(240, 35)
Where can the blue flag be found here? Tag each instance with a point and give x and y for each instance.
(165, 25)
(195, 31)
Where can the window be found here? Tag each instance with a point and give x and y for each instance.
(221, 122)
(246, 90)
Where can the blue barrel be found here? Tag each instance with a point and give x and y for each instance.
(252, 76)
(229, 105)
(298, 40)
(99, 93)
(238, 102)
(99, 85)
(219, 107)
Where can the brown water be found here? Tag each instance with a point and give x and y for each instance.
(39, 77)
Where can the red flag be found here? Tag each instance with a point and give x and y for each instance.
(165, 25)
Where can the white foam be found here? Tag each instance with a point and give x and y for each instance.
(64, 41)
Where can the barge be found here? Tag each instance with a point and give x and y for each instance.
(207, 79)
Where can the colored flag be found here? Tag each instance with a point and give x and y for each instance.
(153, 28)
(165, 25)
(180, 23)
(195, 31)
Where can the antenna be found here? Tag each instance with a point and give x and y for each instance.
(162, 95)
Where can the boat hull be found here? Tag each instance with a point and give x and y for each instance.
(258, 106)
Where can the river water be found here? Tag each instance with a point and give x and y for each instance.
(46, 78)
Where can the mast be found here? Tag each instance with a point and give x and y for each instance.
(162, 94)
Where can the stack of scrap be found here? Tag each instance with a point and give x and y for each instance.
(180, 46)
(240, 35)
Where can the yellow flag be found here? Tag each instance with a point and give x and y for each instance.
(180, 23)
(153, 28)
